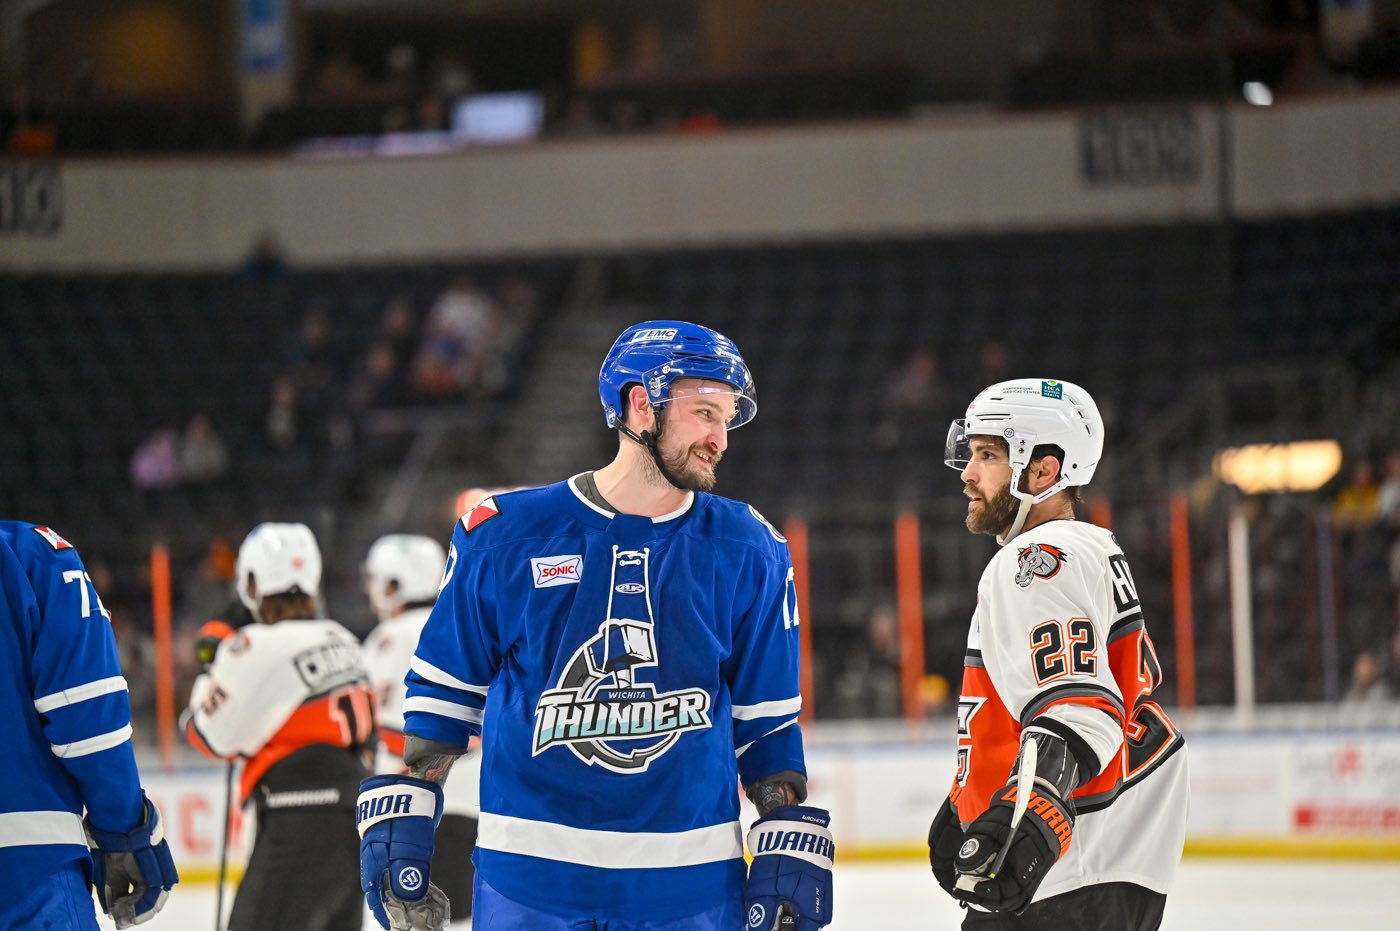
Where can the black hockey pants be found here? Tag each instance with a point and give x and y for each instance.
(1101, 907)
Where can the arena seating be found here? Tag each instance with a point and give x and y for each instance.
(97, 362)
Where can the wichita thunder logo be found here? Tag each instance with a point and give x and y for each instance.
(599, 710)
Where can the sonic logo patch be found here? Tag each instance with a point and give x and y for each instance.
(1038, 561)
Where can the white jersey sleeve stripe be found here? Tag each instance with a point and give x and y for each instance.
(26, 828)
(446, 709)
(768, 709)
(92, 744)
(788, 723)
(610, 849)
(79, 693)
(433, 674)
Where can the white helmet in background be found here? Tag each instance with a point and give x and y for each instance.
(1026, 413)
(276, 559)
(415, 562)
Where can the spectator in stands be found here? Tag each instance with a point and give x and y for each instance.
(203, 456)
(264, 264)
(519, 307)
(156, 462)
(1388, 498)
(33, 134)
(338, 75)
(375, 382)
(456, 342)
(205, 594)
(396, 330)
(909, 396)
(1367, 682)
(136, 652)
(313, 362)
(869, 684)
(994, 363)
(1358, 503)
(282, 423)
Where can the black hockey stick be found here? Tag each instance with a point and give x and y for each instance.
(223, 847)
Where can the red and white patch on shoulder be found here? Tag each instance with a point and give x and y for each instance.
(57, 542)
(480, 514)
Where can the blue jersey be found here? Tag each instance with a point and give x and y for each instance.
(624, 673)
(63, 708)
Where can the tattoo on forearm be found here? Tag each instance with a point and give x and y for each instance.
(771, 795)
(433, 768)
(430, 759)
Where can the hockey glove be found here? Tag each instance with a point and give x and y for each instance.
(211, 634)
(396, 817)
(945, 836)
(791, 872)
(133, 872)
(1037, 844)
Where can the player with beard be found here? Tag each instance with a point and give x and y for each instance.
(1056, 695)
(626, 646)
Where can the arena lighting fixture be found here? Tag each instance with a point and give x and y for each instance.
(1258, 93)
(1264, 468)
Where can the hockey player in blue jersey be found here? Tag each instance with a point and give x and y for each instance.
(626, 645)
(67, 721)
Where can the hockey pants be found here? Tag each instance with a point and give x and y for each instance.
(1100, 907)
(492, 911)
(61, 901)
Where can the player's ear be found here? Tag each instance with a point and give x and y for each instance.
(638, 403)
(1045, 471)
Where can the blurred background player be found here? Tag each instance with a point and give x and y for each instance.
(402, 574)
(1058, 656)
(627, 646)
(290, 697)
(63, 704)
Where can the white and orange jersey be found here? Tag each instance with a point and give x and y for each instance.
(276, 688)
(1059, 637)
(388, 652)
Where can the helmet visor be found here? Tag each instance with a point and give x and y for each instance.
(744, 404)
(733, 374)
(957, 449)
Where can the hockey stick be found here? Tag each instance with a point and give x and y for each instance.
(1025, 778)
(223, 847)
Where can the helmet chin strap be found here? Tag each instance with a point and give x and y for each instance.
(1028, 501)
(649, 440)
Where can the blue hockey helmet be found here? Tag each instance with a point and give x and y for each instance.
(658, 352)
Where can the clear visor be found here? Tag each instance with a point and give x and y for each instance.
(957, 449)
(745, 405)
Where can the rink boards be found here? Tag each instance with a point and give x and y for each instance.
(1277, 794)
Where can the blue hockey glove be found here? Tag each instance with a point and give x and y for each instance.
(791, 872)
(133, 872)
(396, 817)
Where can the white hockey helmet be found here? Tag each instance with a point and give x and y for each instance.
(1031, 412)
(276, 559)
(415, 562)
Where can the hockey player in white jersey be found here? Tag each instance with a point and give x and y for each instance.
(1056, 696)
(626, 646)
(402, 573)
(289, 696)
(72, 813)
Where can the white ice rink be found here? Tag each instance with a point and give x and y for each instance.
(1238, 895)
